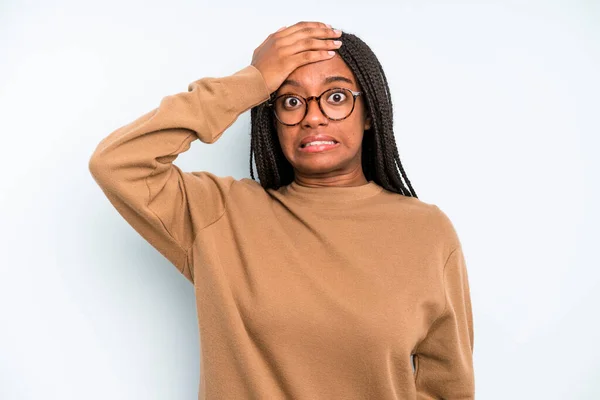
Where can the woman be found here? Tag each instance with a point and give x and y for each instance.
(328, 280)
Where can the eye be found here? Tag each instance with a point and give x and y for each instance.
(291, 102)
(337, 97)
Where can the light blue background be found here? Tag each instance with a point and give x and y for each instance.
(496, 118)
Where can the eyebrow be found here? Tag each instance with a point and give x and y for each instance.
(329, 79)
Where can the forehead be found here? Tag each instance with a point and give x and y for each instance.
(313, 75)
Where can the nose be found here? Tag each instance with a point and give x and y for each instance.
(314, 117)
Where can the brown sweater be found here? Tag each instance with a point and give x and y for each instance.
(302, 293)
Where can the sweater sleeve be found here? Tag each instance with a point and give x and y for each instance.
(134, 167)
(444, 359)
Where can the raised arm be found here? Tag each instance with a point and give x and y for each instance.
(134, 164)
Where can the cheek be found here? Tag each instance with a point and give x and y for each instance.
(352, 132)
(286, 138)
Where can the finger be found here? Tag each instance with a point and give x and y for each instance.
(299, 26)
(307, 34)
(307, 57)
(311, 44)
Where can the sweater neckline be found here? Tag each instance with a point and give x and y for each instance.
(333, 195)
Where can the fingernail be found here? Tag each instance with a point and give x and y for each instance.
(329, 26)
(337, 31)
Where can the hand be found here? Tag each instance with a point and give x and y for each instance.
(289, 48)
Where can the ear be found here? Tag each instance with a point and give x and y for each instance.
(367, 123)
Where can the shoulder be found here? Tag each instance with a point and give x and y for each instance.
(440, 231)
(446, 228)
(428, 219)
(248, 187)
(443, 229)
(205, 179)
(227, 184)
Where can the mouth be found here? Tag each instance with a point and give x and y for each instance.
(318, 146)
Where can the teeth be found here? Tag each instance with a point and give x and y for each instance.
(318, 142)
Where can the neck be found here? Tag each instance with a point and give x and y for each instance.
(352, 178)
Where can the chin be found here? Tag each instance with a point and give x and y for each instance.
(320, 167)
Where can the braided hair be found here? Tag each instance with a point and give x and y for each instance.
(380, 159)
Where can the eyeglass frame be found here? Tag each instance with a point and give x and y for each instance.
(355, 94)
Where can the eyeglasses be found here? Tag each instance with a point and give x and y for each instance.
(336, 104)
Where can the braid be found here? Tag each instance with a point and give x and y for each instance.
(380, 158)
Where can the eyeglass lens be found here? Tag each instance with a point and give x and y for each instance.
(335, 103)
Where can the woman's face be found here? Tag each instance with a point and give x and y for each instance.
(341, 159)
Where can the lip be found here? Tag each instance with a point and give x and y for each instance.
(314, 138)
(318, 148)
